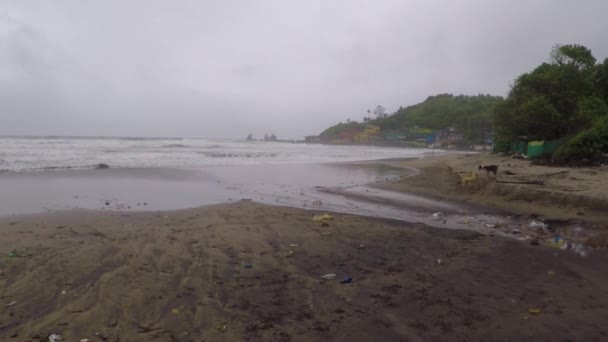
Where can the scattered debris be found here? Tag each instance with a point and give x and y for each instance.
(317, 203)
(537, 224)
(15, 254)
(222, 328)
(467, 221)
(551, 273)
(11, 303)
(346, 280)
(84, 340)
(534, 311)
(248, 265)
(324, 217)
(329, 276)
(439, 261)
(175, 311)
(556, 243)
(293, 245)
(55, 337)
(580, 249)
(438, 216)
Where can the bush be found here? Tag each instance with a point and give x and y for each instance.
(586, 148)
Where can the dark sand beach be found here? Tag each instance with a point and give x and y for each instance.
(184, 276)
(253, 271)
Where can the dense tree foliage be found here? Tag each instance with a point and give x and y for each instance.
(334, 132)
(589, 146)
(558, 100)
(469, 115)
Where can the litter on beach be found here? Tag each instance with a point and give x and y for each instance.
(438, 216)
(346, 280)
(535, 224)
(324, 217)
(55, 337)
(329, 276)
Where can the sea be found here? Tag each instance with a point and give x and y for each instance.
(23, 154)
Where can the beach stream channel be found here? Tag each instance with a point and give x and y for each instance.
(323, 187)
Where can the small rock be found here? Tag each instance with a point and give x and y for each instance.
(102, 166)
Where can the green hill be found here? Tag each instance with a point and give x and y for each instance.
(470, 116)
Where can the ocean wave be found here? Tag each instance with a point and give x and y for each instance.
(238, 155)
(54, 168)
(176, 146)
(145, 139)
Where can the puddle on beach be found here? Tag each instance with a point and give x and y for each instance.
(321, 187)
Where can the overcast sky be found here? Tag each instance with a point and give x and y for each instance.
(228, 68)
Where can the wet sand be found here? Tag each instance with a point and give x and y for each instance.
(129, 189)
(565, 193)
(247, 271)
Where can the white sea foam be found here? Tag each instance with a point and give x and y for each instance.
(43, 153)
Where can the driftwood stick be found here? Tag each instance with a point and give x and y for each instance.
(525, 182)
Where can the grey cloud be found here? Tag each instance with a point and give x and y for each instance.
(225, 69)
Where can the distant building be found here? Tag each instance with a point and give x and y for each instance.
(449, 137)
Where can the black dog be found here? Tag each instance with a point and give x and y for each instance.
(489, 168)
